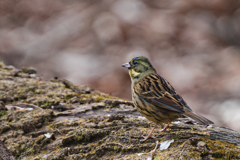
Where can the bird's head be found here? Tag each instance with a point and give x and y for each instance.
(139, 67)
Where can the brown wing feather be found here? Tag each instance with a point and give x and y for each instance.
(159, 92)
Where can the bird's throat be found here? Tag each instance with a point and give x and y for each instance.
(134, 74)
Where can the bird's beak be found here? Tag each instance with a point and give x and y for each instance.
(126, 65)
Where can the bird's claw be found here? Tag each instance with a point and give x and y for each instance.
(163, 130)
(146, 137)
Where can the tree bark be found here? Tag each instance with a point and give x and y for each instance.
(60, 120)
(4, 152)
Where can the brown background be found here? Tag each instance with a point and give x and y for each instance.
(194, 44)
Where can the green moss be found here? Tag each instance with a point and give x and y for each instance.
(3, 113)
(215, 149)
(89, 136)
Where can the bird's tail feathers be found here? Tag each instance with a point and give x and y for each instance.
(197, 117)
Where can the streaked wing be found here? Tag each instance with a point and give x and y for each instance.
(159, 92)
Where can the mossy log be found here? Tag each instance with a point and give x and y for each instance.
(59, 120)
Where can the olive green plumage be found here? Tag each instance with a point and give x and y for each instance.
(154, 97)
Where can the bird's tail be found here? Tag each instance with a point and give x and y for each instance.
(197, 117)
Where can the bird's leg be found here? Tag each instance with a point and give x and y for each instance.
(165, 128)
(150, 134)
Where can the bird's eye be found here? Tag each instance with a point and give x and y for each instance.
(134, 62)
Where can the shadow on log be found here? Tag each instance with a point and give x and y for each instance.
(4, 153)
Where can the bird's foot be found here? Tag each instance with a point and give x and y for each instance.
(165, 128)
(146, 137)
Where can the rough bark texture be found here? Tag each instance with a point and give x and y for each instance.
(4, 153)
(59, 120)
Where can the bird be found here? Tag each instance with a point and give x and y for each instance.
(155, 98)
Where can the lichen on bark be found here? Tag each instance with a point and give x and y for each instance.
(57, 119)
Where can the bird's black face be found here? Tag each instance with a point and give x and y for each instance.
(137, 66)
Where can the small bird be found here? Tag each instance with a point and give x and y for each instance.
(155, 98)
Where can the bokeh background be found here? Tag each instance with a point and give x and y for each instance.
(194, 44)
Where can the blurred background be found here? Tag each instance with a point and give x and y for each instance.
(194, 44)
